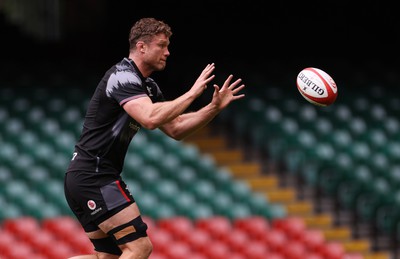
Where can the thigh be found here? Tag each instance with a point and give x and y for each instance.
(125, 215)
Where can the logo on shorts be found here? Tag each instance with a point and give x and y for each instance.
(91, 204)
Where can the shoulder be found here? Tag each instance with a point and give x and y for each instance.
(124, 73)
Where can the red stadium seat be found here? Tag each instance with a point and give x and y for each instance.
(161, 239)
(217, 226)
(41, 240)
(179, 226)
(157, 255)
(294, 227)
(313, 239)
(276, 240)
(256, 250)
(62, 227)
(332, 250)
(18, 250)
(236, 255)
(80, 243)
(57, 249)
(273, 255)
(178, 250)
(7, 240)
(22, 227)
(237, 240)
(256, 227)
(199, 239)
(217, 250)
(312, 255)
(294, 250)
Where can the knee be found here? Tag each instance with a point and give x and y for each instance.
(147, 247)
(140, 248)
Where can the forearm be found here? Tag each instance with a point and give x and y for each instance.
(188, 123)
(164, 112)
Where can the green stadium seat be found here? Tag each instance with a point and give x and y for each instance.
(58, 165)
(185, 176)
(239, 190)
(200, 211)
(148, 203)
(203, 190)
(34, 117)
(64, 142)
(375, 195)
(134, 186)
(55, 107)
(10, 210)
(388, 215)
(146, 175)
(27, 142)
(329, 177)
(36, 176)
(349, 189)
(53, 193)
(184, 202)
(222, 203)
(5, 176)
(393, 176)
(166, 190)
(163, 210)
(13, 129)
(238, 210)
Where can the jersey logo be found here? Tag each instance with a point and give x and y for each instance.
(91, 204)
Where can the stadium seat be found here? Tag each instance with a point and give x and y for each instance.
(293, 227)
(19, 250)
(254, 226)
(276, 240)
(7, 240)
(217, 250)
(313, 239)
(161, 239)
(184, 202)
(179, 226)
(332, 250)
(22, 227)
(295, 249)
(238, 240)
(376, 195)
(387, 216)
(255, 250)
(217, 226)
(199, 240)
(178, 250)
(200, 211)
(166, 190)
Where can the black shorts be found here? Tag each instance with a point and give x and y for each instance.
(94, 198)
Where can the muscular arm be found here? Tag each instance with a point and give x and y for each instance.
(169, 116)
(153, 115)
(188, 123)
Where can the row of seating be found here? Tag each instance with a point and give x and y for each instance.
(177, 237)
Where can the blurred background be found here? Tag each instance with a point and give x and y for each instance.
(271, 177)
(272, 41)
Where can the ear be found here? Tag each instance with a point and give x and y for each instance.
(140, 46)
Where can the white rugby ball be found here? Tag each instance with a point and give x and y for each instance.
(316, 86)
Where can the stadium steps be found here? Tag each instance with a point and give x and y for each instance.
(209, 141)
